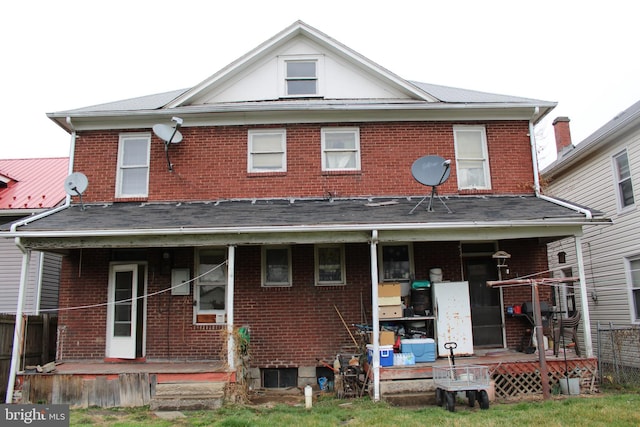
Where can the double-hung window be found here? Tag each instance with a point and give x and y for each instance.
(633, 277)
(301, 76)
(624, 186)
(340, 149)
(267, 150)
(330, 269)
(211, 286)
(276, 266)
(472, 159)
(133, 165)
(396, 262)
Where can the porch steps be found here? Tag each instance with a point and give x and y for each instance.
(415, 392)
(185, 396)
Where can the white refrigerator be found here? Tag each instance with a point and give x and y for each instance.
(452, 310)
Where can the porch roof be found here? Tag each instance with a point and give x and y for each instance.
(244, 221)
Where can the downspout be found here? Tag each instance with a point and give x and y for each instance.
(375, 359)
(586, 318)
(17, 331)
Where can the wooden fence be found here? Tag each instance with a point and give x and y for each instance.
(39, 346)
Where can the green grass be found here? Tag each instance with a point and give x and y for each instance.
(605, 409)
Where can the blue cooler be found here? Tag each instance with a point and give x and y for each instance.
(386, 354)
(423, 349)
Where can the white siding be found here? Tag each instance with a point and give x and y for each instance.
(592, 184)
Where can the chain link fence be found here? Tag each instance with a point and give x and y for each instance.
(618, 351)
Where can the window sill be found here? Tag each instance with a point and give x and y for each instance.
(339, 172)
(131, 199)
(468, 192)
(265, 174)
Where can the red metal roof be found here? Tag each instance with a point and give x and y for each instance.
(33, 183)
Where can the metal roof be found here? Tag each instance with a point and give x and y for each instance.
(34, 184)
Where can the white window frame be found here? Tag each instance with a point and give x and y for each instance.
(342, 279)
(619, 181)
(265, 268)
(634, 288)
(355, 151)
(217, 278)
(461, 158)
(382, 267)
(251, 151)
(285, 78)
(124, 138)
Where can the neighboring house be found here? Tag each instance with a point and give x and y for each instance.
(29, 187)
(602, 172)
(288, 198)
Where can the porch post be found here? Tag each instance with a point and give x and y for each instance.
(375, 359)
(584, 301)
(18, 328)
(231, 347)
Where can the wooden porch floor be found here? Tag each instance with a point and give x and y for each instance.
(153, 367)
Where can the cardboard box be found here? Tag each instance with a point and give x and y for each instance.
(389, 300)
(389, 290)
(385, 338)
(389, 311)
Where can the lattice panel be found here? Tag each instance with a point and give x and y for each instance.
(523, 379)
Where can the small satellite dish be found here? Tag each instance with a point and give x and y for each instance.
(76, 184)
(431, 171)
(170, 135)
(166, 133)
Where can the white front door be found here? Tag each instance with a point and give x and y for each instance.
(122, 312)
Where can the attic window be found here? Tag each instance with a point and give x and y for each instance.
(301, 76)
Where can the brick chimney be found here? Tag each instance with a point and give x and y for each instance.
(563, 134)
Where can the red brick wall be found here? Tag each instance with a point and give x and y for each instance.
(289, 327)
(211, 162)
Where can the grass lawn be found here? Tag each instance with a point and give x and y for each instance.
(603, 409)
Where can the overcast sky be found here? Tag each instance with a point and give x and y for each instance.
(65, 54)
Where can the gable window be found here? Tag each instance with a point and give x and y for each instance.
(267, 150)
(633, 277)
(301, 76)
(276, 266)
(133, 165)
(329, 265)
(624, 187)
(340, 149)
(472, 160)
(211, 286)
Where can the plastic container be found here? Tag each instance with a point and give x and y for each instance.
(423, 349)
(386, 354)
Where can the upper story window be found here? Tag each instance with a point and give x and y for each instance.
(301, 76)
(622, 174)
(329, 265)
(340, 149)
(472, 159)
(133, 165)
(267, 150)
(276, 266)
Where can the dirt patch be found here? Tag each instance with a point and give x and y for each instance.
(272, 397)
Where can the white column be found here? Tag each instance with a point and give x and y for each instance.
(231, 346)
(17, 331)
(375, 360)
(584, 299)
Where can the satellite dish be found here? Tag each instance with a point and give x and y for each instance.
(170, 135)
(166, 133)
(76, 184)
(431, 171)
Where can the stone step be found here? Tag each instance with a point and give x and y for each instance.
(187, 396)
(180, 404)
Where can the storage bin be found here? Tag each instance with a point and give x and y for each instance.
(423, 349)
(386, 354)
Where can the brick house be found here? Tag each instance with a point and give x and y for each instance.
(288, 198)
